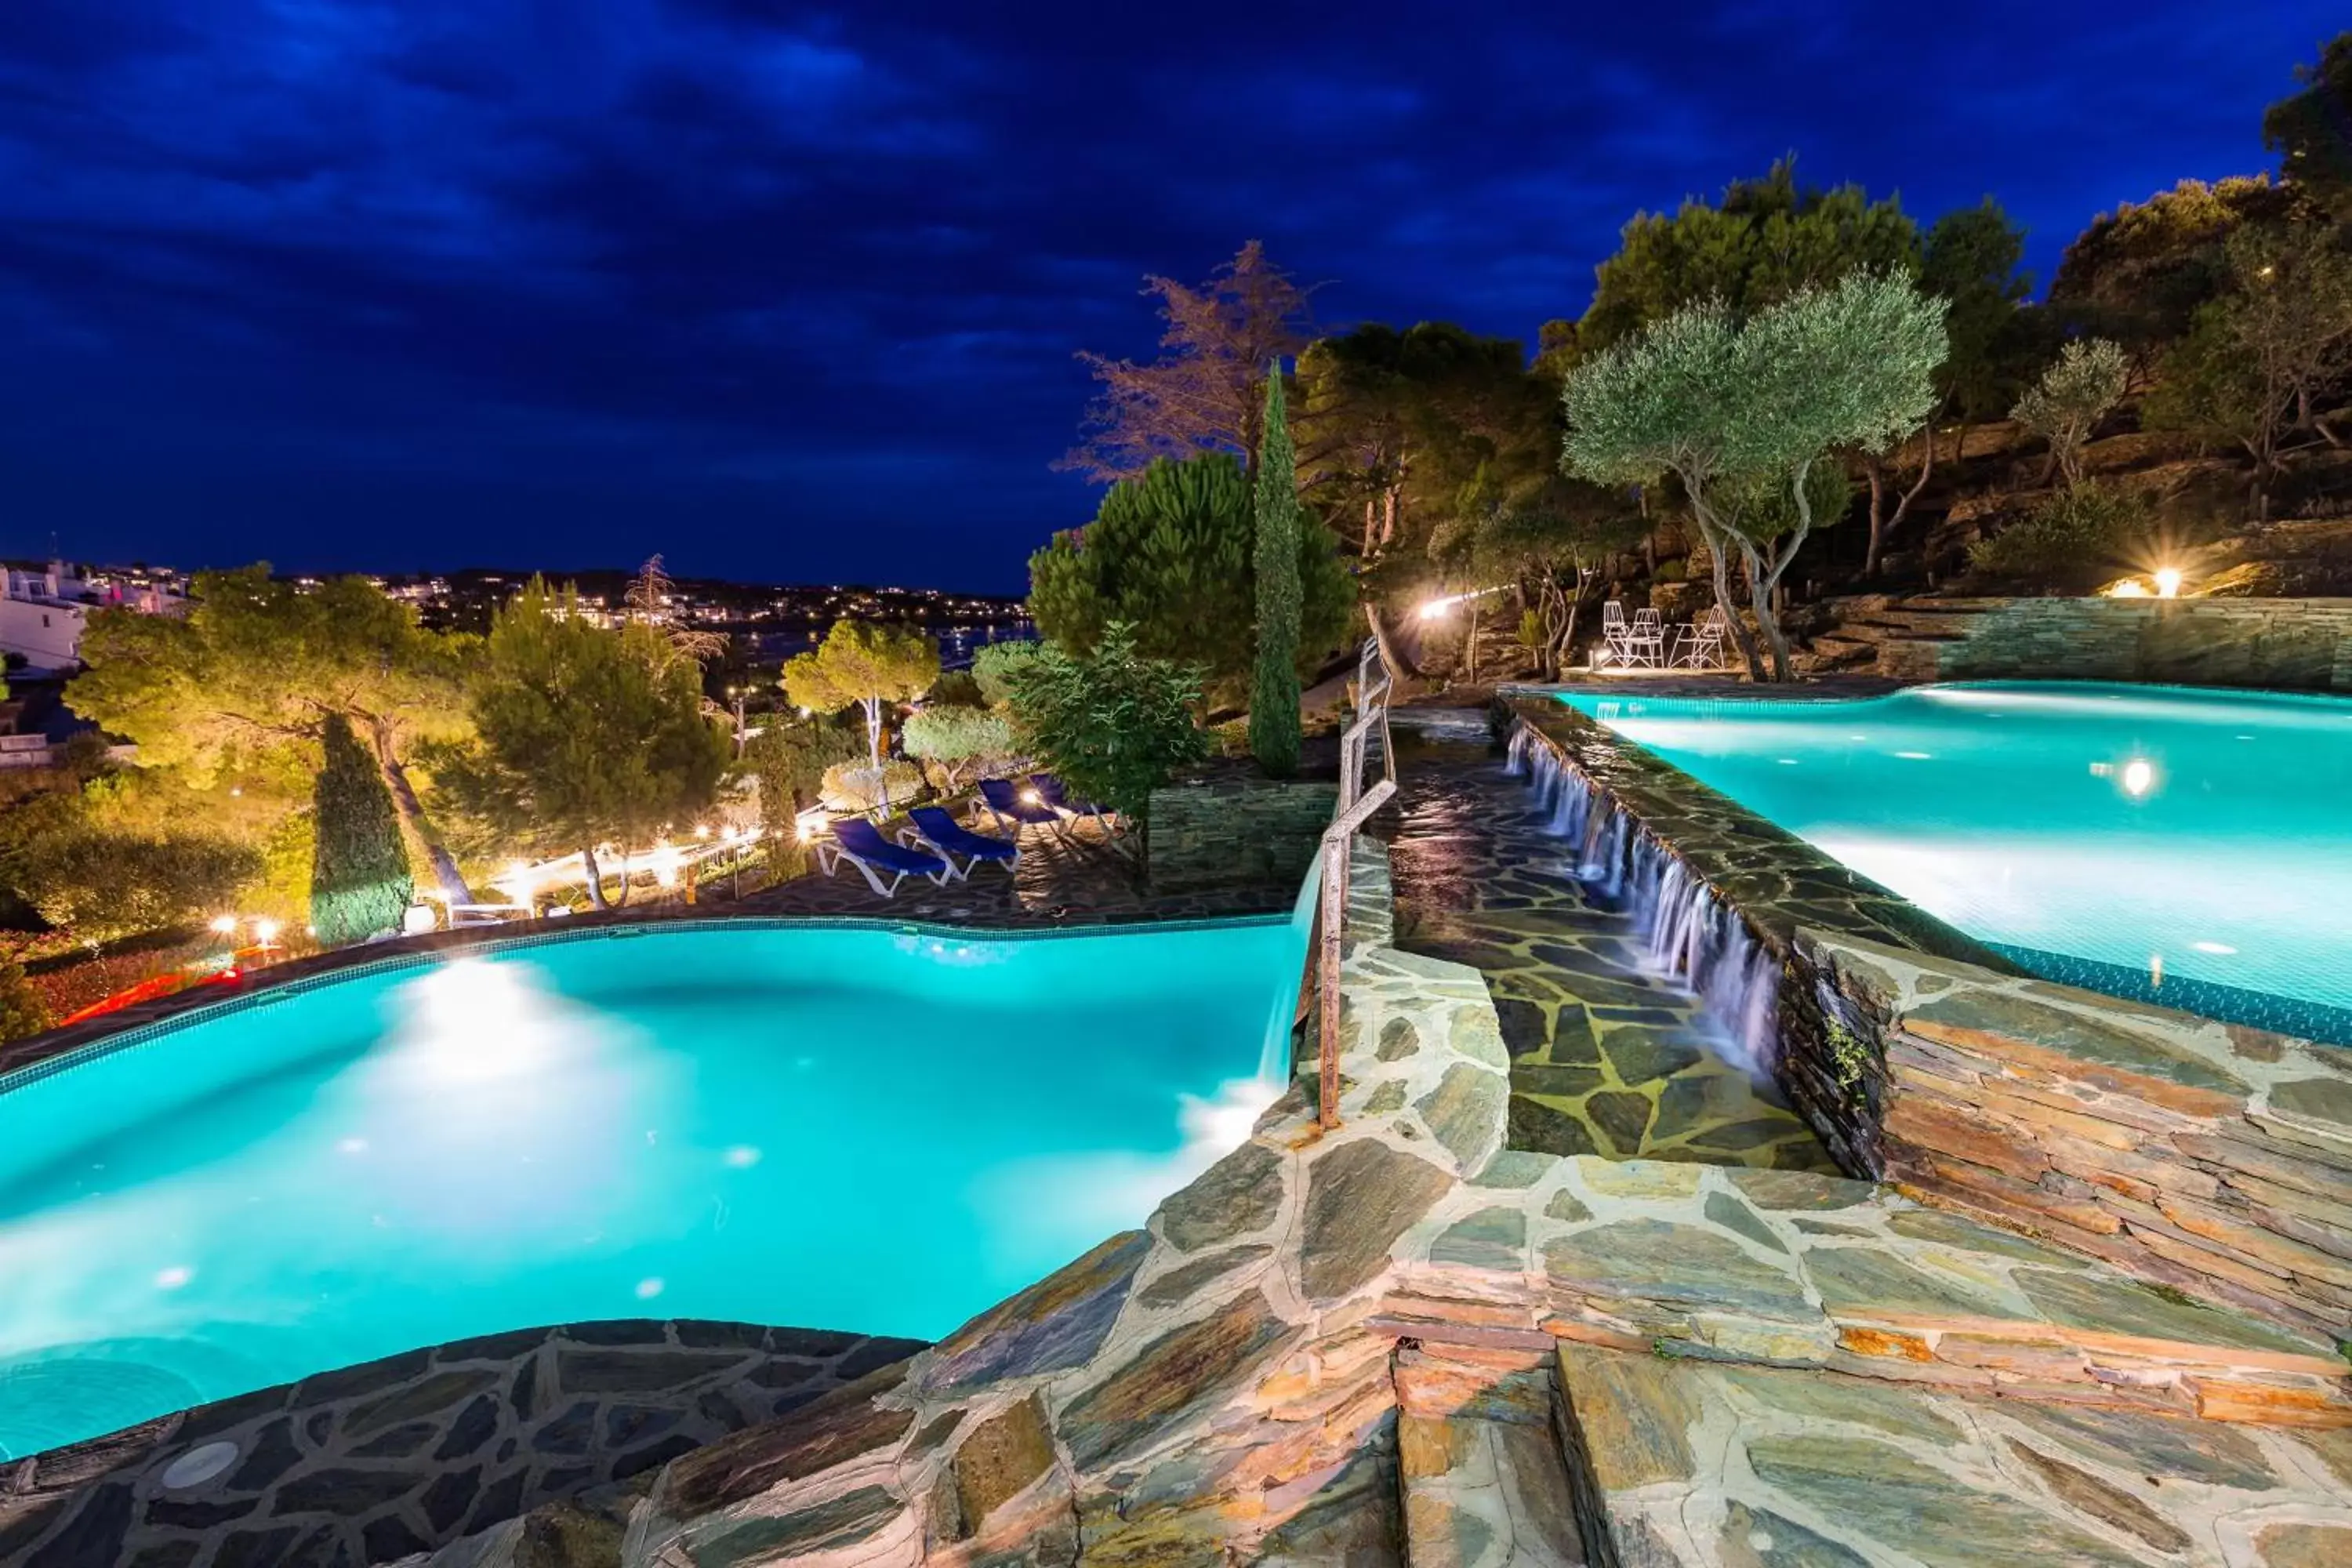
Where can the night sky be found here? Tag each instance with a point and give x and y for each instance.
(792, 294)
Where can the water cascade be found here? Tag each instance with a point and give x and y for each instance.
(1274, 1062)
(1691, 934)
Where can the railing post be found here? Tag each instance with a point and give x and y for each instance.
(1327, 981)
(1356, 806)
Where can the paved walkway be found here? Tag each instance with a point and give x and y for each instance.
(1606, 1057)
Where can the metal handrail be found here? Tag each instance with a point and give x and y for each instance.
(1357, 804)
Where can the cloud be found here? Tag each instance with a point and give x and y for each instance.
(798, 293)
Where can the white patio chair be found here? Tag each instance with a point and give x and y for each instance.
(1647, 639)
(1615, 635)
(1699, 646)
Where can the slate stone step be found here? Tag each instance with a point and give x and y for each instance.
(1479, 1460)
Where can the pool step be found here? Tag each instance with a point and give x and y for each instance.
(1479, 1459)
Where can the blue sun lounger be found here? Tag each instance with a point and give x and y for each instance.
(948, 838)
(861, 844)
(1004, 799)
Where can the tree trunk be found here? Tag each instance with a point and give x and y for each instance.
(1470, 646)
(445, 875)
(1880, 529)
(595, 877)
(1719, 547)
(1400, 667)
(1761, 585)
(873, 706)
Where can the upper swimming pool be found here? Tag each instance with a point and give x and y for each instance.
(824, 1127)
(2190, 845)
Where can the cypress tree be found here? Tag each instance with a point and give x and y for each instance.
(1274, 700)
(359, 882)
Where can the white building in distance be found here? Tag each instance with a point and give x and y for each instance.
(42, 614)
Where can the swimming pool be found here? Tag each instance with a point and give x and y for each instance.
(830, 1127)
(2186, 845)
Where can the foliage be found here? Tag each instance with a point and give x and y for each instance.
(359, 884)
(949, 735)
(2258, 357)
(253, 669)
(583, 735)
(22, 1011)
(1729, 406)
(1112, 723)
(858, 788)
(103, 884)
(996, 666)
(2066, 404)
(1768, 241)
(866, 666)
(2073, 539)
(789, 759)
(956, 688)
(1274, 694)
(1551, 540)
(1171, 554)
(1969, 258)
(1205, 392)
(2140, 273)
(2312, 130)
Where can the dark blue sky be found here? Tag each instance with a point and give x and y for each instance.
(792, 293)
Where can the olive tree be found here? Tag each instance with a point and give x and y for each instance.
(2062, 407)
(1743, 411)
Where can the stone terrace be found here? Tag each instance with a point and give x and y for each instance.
(1402, 1342)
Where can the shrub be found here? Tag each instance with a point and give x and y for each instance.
(359, 883)
(859, 788)
(1111, 722)
(22, 1011)
(956, 688)
(790, 761)
(952, 735)
(2072, 539)
(996, 666)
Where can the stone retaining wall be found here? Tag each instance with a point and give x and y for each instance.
(1228, 829)
(2208, 1157)
(400, 1456)
(2295, 645)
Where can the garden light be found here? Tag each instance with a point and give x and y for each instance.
(224, 925)
(2168, 583)
(265, 931)
(2128, 588)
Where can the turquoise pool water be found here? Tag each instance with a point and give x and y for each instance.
(2189, 844)
(861, 1129)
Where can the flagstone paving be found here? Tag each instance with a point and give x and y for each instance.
(1607, 1057)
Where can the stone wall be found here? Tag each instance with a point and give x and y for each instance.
(2290, 644)
(1233, 828)
(399, 1455)
(2206, 1157)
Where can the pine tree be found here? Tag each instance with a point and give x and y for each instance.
(1273, 702)
(359, 882)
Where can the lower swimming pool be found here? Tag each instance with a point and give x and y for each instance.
(2193, 846)
(883, 1131)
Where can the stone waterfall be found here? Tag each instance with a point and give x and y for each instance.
(1691, 934)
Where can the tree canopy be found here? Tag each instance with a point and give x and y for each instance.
(360, 885)
(1206, 391)
(865, 666)
(260, 664)
(2312, 130)
(1171, 553)
(584, 736)
(1740, 410)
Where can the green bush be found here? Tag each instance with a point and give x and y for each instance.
(359, 882)
(951, 736)
(1112, 723)
(790, 762)
(22, 1012)
(956, 688)
(2074, 538)
(104, 885)
(996, 666)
